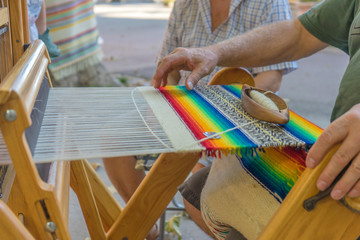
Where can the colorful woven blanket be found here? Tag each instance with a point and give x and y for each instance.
(216, 109)
(74, 30)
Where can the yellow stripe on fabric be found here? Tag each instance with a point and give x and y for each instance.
(175, 129)
(204, 122)
(65, 33)
(79, 59)
(82, 41)
(73, 24)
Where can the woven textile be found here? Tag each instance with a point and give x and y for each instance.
(217, 109)
(245, 196)
(74, 30)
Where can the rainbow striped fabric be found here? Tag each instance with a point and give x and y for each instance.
(73, 29)
(274, 155)
(271, 156)
(217, 109)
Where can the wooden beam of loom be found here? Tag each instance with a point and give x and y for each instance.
(18, 93)
(10, 225)
(329, 220)
(6, 53)
(19, 19)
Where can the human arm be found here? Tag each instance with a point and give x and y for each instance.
(269, 80)
(265, 45)
(344, 131)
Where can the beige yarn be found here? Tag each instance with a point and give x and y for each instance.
(231, 196)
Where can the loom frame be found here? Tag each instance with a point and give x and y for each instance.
(104, 217)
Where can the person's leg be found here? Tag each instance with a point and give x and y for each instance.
(123, 175)
(44, 32)
(41, 20)
(191, 190)
(126, 179)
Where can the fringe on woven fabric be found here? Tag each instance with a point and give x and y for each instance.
(71, 68)
(247, 151)
(219, 229)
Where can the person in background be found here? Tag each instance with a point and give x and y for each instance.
(38, 27)
(199, 23)
(74, 30)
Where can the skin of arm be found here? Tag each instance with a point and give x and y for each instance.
(269, 80)
(268, 45)
(262, 46)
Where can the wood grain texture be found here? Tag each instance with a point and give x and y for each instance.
(152, 196)
(329, 220)
(232, 75)
(10, 225)
(80, 184)
(17, 21)
(109, 208)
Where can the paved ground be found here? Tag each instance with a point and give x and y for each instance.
(132, 35)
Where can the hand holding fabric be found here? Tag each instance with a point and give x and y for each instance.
(200, 61)
(346, 131)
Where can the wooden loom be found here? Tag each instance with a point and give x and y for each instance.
(43, 207)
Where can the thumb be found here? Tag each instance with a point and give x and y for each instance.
(193, 79)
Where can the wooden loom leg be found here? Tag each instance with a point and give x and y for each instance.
(62, 187)
(108, 206)
(18, 16)
(80, 184)
(152, 196)
(10, 225)
(329, 220)
(18, 205)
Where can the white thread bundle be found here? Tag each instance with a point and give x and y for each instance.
(96, 123)
(263, 100)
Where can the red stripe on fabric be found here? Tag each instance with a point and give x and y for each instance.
(75, 36)
(191, 122)
(67, 9)
(68, 17)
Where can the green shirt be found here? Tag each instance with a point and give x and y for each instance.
(337, 22)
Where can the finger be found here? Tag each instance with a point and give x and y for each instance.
(192, 80)
(332, 135)
(348, 181)
(346, 152)
(157, 82)
(167, 65)
(197, 73)
(355, 191)
(164, 81)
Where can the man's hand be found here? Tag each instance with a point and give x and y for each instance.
(346, 131)
(200, 61)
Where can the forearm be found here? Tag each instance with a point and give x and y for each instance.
(270, 44)
(269, 80)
